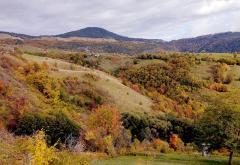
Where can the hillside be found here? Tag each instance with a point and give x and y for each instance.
(221, 43)
(117, 94)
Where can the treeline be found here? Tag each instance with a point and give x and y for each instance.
(146, 127)
(228, 61)
(165, 56)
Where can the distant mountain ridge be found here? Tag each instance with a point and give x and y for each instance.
(220, 42)
(23, 36)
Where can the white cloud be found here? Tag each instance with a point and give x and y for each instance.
(164, 19)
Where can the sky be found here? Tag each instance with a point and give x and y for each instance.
(155, 19)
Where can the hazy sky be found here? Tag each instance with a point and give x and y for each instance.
(162, 19)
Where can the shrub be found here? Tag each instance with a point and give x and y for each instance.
(160, 146)
(9, 62)
(135, 61)
(92, 77)
(219, 72)
(4, 88)
(227, 61)
(82, 94)
(176, 143)
(42, 154)
(190, 147)
(218, 87)
(48, 86)
(124, 139)
(229, 78)
(33, 67)
(135, 146)
(69, 158)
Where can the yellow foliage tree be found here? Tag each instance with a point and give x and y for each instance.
(42, 154)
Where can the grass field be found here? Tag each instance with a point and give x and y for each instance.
(231, 97)
(168, 159)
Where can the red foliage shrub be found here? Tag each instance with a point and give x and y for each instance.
(2, 86)
(218, 87)
(32, 68)
(18, 108)
(136, 87)
(9, 62)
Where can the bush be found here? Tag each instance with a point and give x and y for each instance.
(124, 139)
(42, 154)
(219, 72)
(9, 62)
(4, 88)
(227, 61)
(190, 147)
(229, 78)
(79, 93)
(48, 86)
(160, 146)
(69, 158)
(176, 143)
(218, 87)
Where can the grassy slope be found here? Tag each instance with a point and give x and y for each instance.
(168, 159)
(122, 96)
(231, 97)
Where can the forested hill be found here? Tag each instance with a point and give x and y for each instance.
(221, 42)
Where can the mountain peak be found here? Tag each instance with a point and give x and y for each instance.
(94, 32)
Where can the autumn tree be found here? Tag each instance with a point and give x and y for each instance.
(42, 154)
(103, 128)
(176, 143)
(220, 127)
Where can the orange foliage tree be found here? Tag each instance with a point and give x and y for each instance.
(103, 127)
(176, 143)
